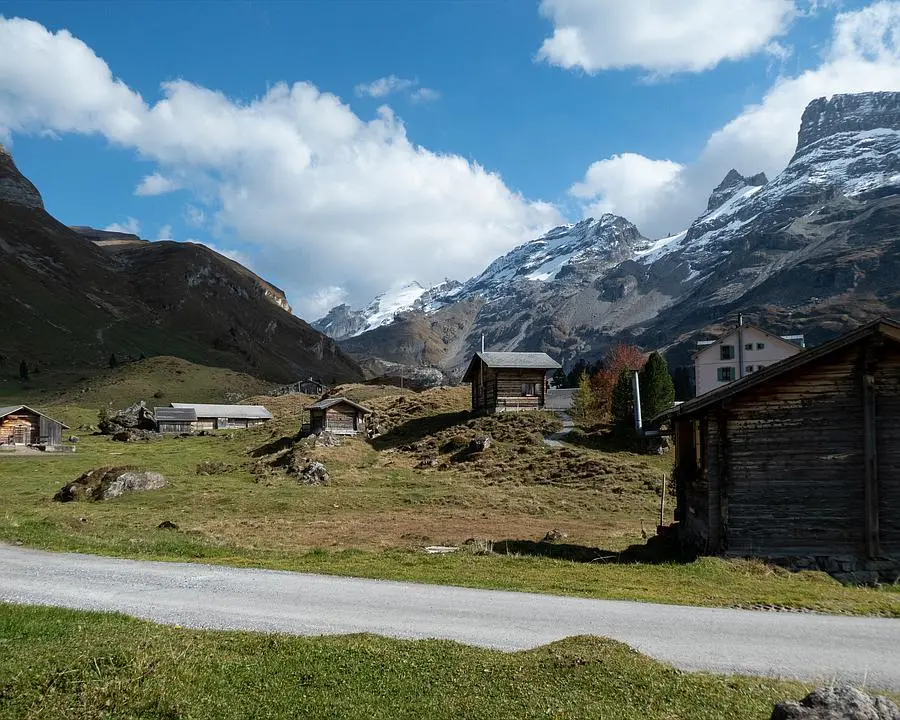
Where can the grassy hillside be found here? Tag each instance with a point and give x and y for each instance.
(416, 485)
(60, 664)
(156, 380)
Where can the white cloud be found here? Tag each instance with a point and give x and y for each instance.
(165, 233)
(323, 197)
(131, 225)
(424, 94)
(156, 184)
(662, 36)
(194, 216)
(863, 55)
(625, 184)
(382, 87)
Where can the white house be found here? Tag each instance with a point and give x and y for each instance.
(744, 350)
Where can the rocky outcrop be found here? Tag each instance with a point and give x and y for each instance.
(854, 113)
(106, 483)
(733, 183)
(838, 703)
(313, 473)
(135, 417)
(15, 187)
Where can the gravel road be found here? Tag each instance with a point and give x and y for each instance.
(810, 647)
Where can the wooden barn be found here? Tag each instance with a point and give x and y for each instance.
(799, 463)
(174, 420)
(337, 415)
(225, 417)
(508, 381)
(20, 425)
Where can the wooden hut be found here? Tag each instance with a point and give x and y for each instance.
(799, 463)
(21, 425)
(508, 381)
(174, 420)
(337, 415)
(226, 417)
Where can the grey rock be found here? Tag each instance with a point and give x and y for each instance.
(15, 187)
(314, 473)
(480, 443)
(133, 482)
(843, 702)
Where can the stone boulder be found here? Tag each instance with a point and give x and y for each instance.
(313, 473)
(134, 417)
(838, 703)
(109, 482)
(480, 443)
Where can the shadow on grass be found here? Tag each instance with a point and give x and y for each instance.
(275, 446)
(657, 550)
(419, 428)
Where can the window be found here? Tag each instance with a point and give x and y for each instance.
(727, 352)
(760, 346)
(726, 374)
(760, 367)
(748, 346)
(749, 368)
(529, 389)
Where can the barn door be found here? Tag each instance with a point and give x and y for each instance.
(22, 434)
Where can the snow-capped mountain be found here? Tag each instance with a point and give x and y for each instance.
(343, 322)
(812, 250)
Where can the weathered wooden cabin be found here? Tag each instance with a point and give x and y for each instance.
(21, 425)
(226, 417)
(337, 415)
(799, 463)
(508, 381)
(174, 420)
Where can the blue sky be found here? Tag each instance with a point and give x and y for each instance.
(340, 212)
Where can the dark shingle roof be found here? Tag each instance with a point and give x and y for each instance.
(331, 402)
(513, 360)
(168, 414)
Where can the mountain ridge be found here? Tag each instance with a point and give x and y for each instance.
(578, 288)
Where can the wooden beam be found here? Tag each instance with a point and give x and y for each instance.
(873, 548)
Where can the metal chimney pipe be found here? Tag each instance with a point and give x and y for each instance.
(636, 394)
(482, 342)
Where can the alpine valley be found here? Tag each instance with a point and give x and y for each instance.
(814, 250)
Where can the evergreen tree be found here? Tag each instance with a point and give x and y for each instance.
(112, 360)
(559, 379)
(623, 403)
(657, 388)
(23, 370)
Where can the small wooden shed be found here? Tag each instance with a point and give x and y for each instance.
(799, 463)
(337, 415)
(21, 425)
(174, 420)
(509, 381)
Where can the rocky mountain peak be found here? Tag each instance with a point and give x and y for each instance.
(15, 187)
(824, 117)
(733, 182)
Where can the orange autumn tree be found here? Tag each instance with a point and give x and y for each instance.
(618, 359)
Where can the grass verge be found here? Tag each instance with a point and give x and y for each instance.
(67, 664)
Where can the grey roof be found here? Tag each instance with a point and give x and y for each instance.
(514, 360)
(4, 411)
(238, 412)
(169, 414)
(331, 402)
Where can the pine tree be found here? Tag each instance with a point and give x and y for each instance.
(657, 388)
(623, 403)
(112, 360)
(559, 379)
(23, 370)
